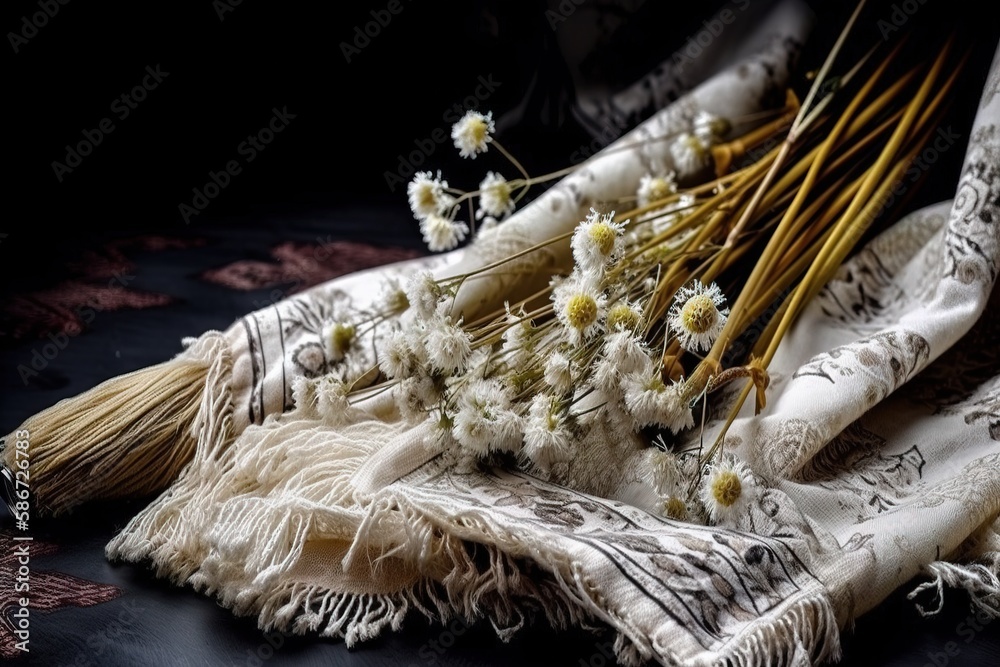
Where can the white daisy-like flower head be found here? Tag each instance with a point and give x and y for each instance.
(624, 316)
(423, 293)
(393, 297)
(558, 372)
(623, 354)
(485, 421)
(579, 306)
(597, 241)
(676, 508)
(656, 187)
(397, 360)
(652, 402)
(726, 488)
(665, 473)
(472, 133)
(442, 234)
(448, 345)
(338, 337)
(427, 195)
(690, 153)
(331, 399)
(547, 434)
(695, 318)
(495, 197)
(709, 128)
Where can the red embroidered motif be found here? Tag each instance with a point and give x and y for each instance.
(305, 265)
(47, 591)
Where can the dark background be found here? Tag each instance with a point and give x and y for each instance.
(228, 69)
(352, 121)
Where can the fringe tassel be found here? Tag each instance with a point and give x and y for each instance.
(155, 533)
(979, 581)
(465, 579)
(300, 609)
(804, 633)
(251, 504)
(129, 436)
(478, 577)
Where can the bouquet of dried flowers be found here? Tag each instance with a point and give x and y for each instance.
(672, 293)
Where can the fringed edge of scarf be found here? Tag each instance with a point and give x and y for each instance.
(458, 580)
(147, 534)
(804, 633)
(979, 580)
(801, 632)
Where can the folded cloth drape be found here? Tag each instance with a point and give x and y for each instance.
(877, 458)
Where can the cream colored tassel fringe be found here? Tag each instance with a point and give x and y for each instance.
(128, 437)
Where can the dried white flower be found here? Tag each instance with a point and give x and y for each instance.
(623, 354)
(448, 345)
(518, 341)
(597, 241)
(495, 197)
(665, 473)
(710, 128)
(472, 133)
(559, 372)
(331, 399)
(393, 298)
(423, 293)
(398, 360)
(624, 316)
(656, 187)
(695, 318)
(690, 154)
(427, 195)
(579, 306)
(651, 402)
(338, 337)
(485, 421)
(414, 396)
(676, 508)
(441, 234)
(726, 488)
(547, 433)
